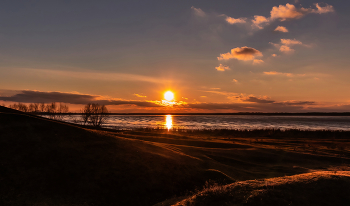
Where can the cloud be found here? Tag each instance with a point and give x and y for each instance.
(235, 80)
(323, 10)
(295, 103)
(288, 12)
(198, 12)
(286, 44)
(257, 105)
(244, 103)
(274, 55)
(231, 20)
(105, 76)
(271, 73)
(139, 95)
(278, 73)
(222, 68)
(258, 61)
(290, 41)
(266, 100)
(27, 96)
(258, 100)
(241, 53)
(230, 95)
(281, 29)
(216, 106)
(286, 49)
(251, 100)
(258, 21)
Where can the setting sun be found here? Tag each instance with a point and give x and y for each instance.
(168, 95)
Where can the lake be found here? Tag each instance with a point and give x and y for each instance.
(224, 122)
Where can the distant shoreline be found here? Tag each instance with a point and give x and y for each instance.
(234, 114)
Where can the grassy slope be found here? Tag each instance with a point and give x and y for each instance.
(44, 161)
(53, 163)
(309, 189)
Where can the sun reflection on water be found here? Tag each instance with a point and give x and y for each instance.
(169, 121)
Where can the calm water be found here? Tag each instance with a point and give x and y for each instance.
(224, 122)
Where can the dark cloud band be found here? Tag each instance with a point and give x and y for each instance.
(71, 98)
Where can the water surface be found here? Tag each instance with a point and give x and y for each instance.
(224, 122)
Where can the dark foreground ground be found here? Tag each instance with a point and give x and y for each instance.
(45, 162)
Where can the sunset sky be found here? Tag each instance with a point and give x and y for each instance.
(215, 56)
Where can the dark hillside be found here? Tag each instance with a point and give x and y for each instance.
(8, 110)
(48, 162)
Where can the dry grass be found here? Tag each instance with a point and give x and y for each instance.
(317, 188)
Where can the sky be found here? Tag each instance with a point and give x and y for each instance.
(215, 56)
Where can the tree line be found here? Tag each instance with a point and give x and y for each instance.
(91, 114)
(41, 107)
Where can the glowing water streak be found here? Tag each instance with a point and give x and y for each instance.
(169, 121)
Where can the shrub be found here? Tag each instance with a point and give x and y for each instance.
(94, 114)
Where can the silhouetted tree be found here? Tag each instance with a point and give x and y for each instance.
(22, 107)
(62, 108)
(42, 107)
(13, 106)
(36, 107)
(94, 114)
(86, 113)
(31, 108)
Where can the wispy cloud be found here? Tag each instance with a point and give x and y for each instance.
(139, 95)
(286, 49)
(246, 99)
(106, 76)
(258, 61)
(222, 68)
(290, 41)
(323, 10)
(198, 12)
(285, 45)
(236, 97)
(274, 73)
(257, 104)
(258, 100)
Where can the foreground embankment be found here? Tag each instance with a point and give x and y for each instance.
(46, 162)
(314, 188)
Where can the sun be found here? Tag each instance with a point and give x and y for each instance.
(168, 95)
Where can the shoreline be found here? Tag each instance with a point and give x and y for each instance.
(218, 114)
